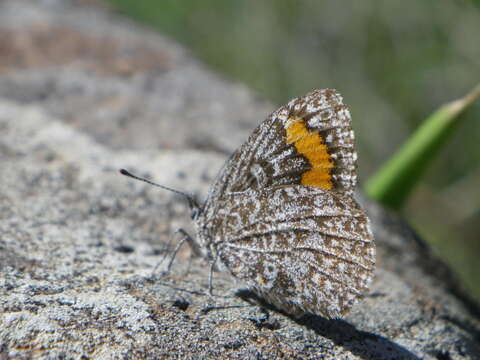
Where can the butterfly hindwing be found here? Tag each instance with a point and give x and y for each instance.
(302, 248)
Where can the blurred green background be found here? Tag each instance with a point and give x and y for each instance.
(394, 63)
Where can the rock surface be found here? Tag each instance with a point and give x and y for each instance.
(83, 93)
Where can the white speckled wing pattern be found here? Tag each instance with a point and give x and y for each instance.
(266, 159)
(281, 216)
(304, 249)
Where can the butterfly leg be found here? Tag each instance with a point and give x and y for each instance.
(186, 238)
(210, 277)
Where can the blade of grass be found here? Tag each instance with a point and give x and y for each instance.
(392, 184)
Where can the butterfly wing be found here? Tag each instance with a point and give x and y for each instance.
(281, 215)
(309, 141)
(302, 248)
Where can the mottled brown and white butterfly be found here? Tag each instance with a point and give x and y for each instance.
(281, 216)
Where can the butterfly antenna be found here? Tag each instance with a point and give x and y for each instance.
(190, 199)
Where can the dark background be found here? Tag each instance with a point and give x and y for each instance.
(394, 63)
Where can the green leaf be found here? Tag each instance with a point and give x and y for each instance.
(392, 184)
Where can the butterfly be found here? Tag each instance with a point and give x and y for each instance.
(281, 216)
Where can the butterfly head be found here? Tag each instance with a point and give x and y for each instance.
(195, 209)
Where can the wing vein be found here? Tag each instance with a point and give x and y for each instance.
(315, 266)
(274, 231)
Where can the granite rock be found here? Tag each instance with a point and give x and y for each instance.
(84, 92)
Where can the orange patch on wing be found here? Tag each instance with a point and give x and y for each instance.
(312, 146)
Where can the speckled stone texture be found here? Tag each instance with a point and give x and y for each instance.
(83, 93)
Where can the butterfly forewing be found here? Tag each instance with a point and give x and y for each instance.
(309, 141)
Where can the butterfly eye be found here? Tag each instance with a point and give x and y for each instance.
(194, 213)
(195, 209)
